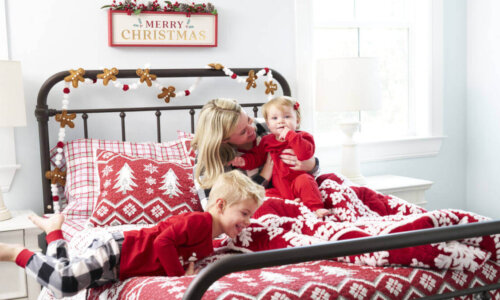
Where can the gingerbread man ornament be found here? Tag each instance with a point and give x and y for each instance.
(270, 87)
(167, 93)
(251, 80)
(108, 75)
(66, 119)
(56, 176)
(145, 76)
(75, 77)
(216, 66)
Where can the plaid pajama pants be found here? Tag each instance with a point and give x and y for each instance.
(65, 276)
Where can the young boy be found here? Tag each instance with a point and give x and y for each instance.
(282, 116)
(169, 248)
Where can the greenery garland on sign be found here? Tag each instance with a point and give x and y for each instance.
(131, 6)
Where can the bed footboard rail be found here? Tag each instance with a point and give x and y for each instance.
(328, 250)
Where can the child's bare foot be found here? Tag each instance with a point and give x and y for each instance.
(48, 225)
(9, 252)
(320, 213)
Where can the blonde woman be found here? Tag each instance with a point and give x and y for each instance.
(224, 131)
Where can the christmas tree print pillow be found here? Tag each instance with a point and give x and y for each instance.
(136, 190)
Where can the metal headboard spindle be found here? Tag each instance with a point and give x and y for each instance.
(43, 112)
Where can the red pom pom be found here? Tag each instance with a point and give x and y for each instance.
(296, 106)
(233, 76)
(187, 92)
(66, 90)
(267, 70)
(55, 198)
(60, 144)
(125, 87)
(94, 80)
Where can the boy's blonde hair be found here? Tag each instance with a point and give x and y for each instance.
(218, 118)
(235, 187)
(279, 102)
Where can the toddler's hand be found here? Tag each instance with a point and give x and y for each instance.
(283, 133)
(191, 270)
(237, 162)
(320, 213)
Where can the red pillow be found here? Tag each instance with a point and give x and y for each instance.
(137, 190)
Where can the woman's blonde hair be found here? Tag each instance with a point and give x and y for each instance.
(281, 101)
(216, 122)
(235, 187)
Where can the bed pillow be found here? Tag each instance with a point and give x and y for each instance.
(135, 190)
(187, 137)
(82, 181)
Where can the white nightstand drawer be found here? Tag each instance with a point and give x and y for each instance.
(12, 278)
(406, 188)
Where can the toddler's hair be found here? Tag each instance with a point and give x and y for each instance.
(235, 187)
(279, 102)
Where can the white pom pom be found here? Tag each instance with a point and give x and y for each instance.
(147, 66)
(59, 156)
(65, 102)
(59, 150)
(65, 107)
(240, 79)
(62, 135)
(65, 96)
(180, 94)
(88, 81)
(133, 86)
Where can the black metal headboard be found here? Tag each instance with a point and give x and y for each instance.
(43, 112)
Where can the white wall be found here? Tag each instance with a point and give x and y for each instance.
(483, 106)
(50, 36)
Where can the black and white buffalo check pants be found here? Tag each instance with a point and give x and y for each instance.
(65, 276)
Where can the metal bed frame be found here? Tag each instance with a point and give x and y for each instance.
(263, 259)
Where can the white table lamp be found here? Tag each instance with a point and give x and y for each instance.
(12, 114)
(348, 84)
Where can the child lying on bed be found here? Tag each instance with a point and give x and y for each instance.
(282, 117)
(165, 249)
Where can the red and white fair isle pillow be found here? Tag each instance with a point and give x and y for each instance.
(136, 190)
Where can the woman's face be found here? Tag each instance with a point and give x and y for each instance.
(244, 132)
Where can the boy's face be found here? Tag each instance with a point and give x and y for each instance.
(279, 117)
(236, 217)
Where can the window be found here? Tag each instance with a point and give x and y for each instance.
(4, 54)
(400, 33)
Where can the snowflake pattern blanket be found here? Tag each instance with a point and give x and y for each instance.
(361, 212)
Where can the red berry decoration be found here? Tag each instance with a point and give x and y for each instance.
(267, 70)
(94, 80)
(125, 87)
(233, 76)
(60, 145)
(187, 92)
(66, 90)
(55, 198)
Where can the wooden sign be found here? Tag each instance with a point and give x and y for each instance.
(162, 29)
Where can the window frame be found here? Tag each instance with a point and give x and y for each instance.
(430, 129)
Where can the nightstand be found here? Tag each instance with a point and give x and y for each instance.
(14, 284)
(406, 188)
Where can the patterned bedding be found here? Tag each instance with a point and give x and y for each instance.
(356, 212)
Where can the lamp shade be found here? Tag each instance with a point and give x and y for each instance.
(347, 84)
(12, 107)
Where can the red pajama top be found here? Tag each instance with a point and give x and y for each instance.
(159, 250)
(283, 177)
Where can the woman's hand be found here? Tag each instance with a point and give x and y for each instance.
(289, 158)
(267, 169)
